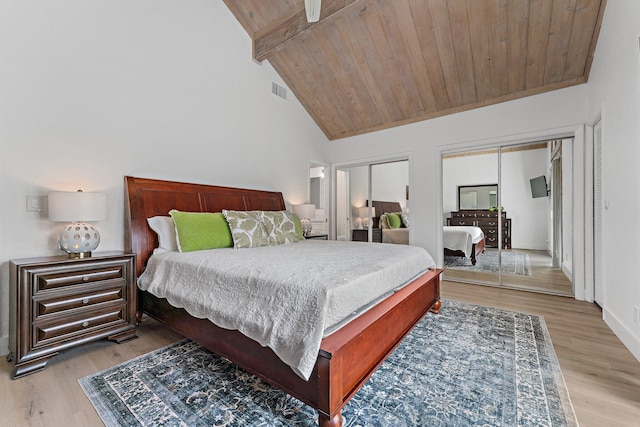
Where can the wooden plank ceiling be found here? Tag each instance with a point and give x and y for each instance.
(374, 64)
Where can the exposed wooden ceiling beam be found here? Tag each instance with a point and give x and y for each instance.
(271, 39)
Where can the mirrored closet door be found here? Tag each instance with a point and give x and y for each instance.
(527, 230)
(470, 195)
(365, 194)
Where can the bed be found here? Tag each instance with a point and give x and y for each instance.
(398, 236)
(463, 241)
(346, 358)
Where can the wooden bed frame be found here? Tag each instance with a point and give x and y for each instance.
(476, 250)
(347, 358)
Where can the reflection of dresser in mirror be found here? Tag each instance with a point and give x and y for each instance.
(488, 221)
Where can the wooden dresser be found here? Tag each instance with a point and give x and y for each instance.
(488, 222)
(58, 302)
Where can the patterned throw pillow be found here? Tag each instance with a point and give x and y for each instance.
(201, 230)
(279, 227)
(405, 219)
(247, 229)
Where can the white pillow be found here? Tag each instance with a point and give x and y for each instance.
(166, 231)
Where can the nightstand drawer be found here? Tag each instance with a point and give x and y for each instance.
(67, 327)
(70, 302)
(55, 280)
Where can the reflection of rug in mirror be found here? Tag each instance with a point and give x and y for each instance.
(513, 262)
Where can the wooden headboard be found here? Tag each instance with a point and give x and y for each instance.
(383, 208)
(151, 197)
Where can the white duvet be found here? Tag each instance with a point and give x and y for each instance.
(461, 237)
(284, 296)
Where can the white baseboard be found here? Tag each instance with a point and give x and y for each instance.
(566, 269)
(628, 338)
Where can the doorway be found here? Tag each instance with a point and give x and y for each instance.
(519, 229)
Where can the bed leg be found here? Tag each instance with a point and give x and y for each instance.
(473, 261)
(138, 318)
(435, 308)
(324, 421)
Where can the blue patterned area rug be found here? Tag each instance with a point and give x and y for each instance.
(513, 262)
(468, 366)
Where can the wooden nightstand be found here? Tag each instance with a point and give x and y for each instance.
(363, 235)
(57, 302)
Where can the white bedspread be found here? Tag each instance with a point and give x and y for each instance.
(283, 296)
(399, 236)
(461, 237)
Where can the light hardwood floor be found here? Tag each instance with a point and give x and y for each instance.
(602, 376)
(543, 278)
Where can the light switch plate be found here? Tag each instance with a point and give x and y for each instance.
(34, 204)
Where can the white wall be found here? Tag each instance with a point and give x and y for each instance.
(481, 169)
(91, 91)
(614, 92)
(529, 216)
(389, 181)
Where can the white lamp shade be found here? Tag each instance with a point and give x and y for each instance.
(305, 210)
(363, 212)
(77, 206)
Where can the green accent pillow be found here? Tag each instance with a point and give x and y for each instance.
(279, 227)
(247, 229)
(201, 230)
(394, 220)
(298, 224)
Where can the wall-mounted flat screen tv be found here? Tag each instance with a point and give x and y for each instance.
(539, 187)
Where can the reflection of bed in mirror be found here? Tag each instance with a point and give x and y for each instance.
(463, 241)
(398, 236)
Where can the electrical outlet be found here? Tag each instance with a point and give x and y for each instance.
(636, 315)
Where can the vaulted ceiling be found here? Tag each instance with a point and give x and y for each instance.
(374, 64)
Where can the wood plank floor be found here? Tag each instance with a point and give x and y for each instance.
(602, 376)
(543, 279)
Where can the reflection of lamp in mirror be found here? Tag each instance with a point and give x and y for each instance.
(78, 239)
(305, 212)
(363, 213)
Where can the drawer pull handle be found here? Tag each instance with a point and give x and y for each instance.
(85, 324)
(85, 301)
(85, 278)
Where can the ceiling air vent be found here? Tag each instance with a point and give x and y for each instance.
(278, 90)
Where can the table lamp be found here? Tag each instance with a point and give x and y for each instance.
(305, 212)
(78, 239)
(363, 212)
